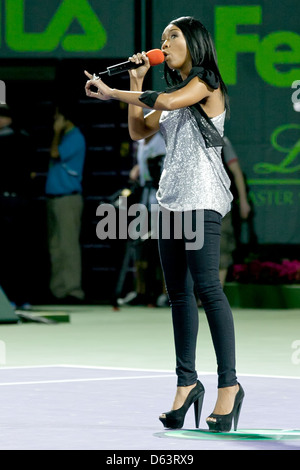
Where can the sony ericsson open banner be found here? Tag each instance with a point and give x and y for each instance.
(258, 46)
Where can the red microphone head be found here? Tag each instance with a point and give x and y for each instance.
(155, 56)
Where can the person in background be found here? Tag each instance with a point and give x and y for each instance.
(149, 281)
(238, 188)
(16, 155)
(65, 206)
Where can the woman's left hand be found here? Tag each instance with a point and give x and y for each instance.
(103, 93)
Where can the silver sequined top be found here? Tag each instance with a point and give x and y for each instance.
(193, 176)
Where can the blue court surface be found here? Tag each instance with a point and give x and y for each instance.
(92, 408)
(99, 379)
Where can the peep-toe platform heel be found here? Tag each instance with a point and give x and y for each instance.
(223, 423)
(174, 419)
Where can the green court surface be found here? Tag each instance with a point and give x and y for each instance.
(268, 341)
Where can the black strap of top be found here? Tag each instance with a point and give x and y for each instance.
(209, 132)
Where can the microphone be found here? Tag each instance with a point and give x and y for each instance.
(155, 57)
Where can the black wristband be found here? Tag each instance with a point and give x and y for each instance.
(149, 97)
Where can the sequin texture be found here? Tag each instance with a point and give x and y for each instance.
(193, 176)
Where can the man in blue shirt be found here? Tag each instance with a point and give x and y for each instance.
(64, 207)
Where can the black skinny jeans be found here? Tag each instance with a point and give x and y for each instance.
(185, 269)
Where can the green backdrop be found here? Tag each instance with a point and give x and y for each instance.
(258, 45)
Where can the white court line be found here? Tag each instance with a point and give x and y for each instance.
(91, 379)
(132, 369)
(80, 366)
(31, 367)
(201, 372)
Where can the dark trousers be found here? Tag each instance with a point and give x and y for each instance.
(186, 270)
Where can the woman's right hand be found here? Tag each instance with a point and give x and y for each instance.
(103, 93)
(141, 71)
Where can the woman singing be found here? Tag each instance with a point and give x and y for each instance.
(190, 115)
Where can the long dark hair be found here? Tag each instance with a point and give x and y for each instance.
(202, 51)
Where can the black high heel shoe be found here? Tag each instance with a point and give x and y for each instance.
(223, 423)
(174, 419)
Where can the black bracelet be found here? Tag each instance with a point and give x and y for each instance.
(149, 97)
